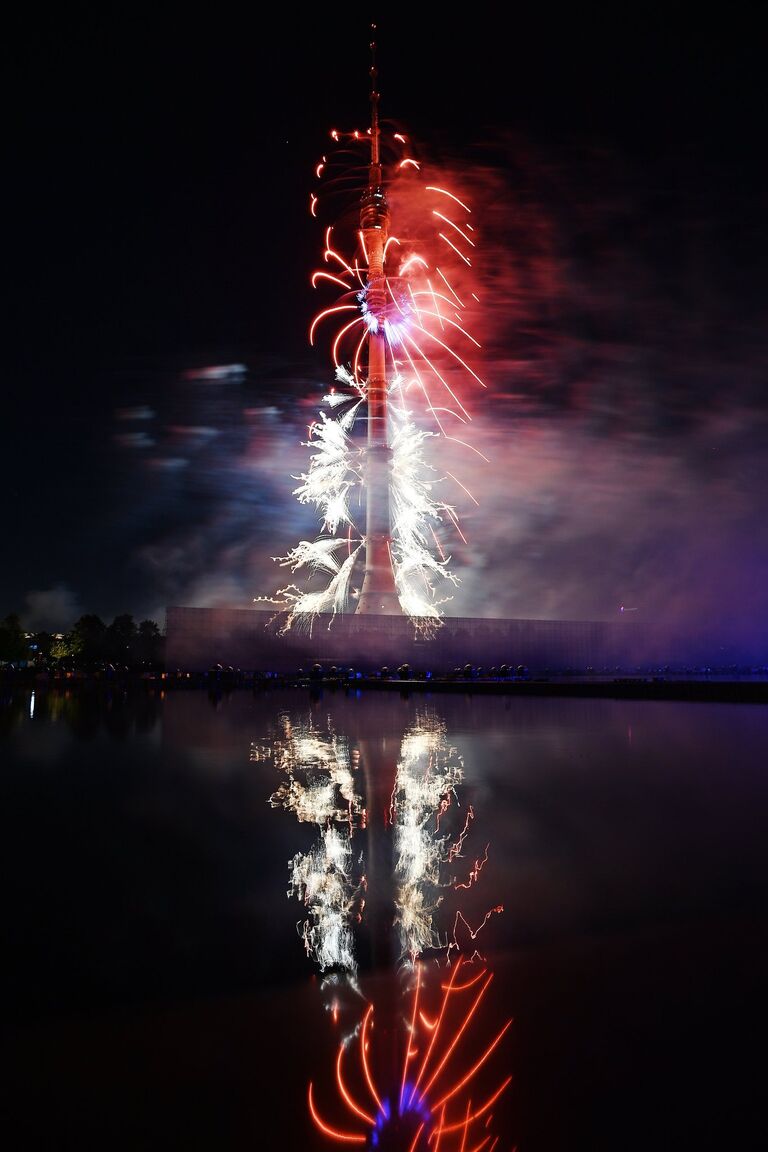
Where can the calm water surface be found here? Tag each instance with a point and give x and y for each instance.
(204, 896)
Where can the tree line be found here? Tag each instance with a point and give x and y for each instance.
(88, 645)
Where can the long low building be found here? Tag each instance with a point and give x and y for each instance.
(251, 639)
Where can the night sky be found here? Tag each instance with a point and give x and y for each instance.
(159, 171)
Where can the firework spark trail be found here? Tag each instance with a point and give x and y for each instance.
(319, 770)
(428, 773)
(322, 879)
(418, 307)
(441, 1094)
(414, 512)
(320, 788)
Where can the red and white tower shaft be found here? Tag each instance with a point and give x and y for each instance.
(378, 594)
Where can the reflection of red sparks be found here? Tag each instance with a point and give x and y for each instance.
(475, 871)
(437, 1102)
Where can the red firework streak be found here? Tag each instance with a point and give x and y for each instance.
(427, 303)
(439, 1098)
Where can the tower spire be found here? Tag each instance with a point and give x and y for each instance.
(374, 74)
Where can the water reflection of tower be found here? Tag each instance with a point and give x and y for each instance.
(427, 1074)
(378, 757)
(375, 739)
(378, 594)
(409, 775)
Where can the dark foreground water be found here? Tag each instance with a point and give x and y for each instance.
(594, 870)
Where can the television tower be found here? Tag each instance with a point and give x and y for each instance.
(378, 595)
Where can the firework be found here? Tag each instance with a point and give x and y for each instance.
(398, 331)
(438, 1093)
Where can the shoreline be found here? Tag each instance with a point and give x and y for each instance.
(679, 687)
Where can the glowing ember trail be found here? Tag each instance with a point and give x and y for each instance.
(441, 1091)
(398, 333)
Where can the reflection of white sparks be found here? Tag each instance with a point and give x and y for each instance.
(428, 772)
(322, 878)
(320, 789)
(429, 835)
(320, 784)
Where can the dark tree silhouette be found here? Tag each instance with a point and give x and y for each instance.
(13, 642)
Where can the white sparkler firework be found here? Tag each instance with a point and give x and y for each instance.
(322, 879)
(321, 788)
(335, 475)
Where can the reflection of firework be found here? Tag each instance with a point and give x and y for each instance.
(400, 348)
(320, 789)
(428, 771)
(439, 1095)
(322, 879)
(320, 771)
(428, 834)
